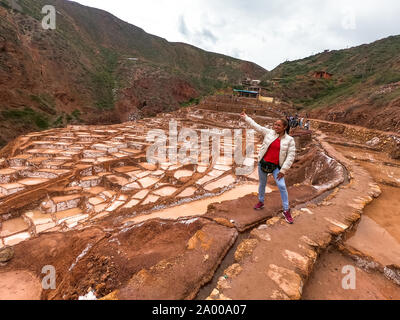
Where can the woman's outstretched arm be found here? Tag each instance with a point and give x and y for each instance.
(255, 125)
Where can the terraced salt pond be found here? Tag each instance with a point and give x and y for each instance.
(123, 218)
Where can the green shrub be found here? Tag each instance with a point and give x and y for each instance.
(76, 114)
(27, 116)
(59, 123)
(45, 102)
(387, 78)
(192, 101)
(104, 80)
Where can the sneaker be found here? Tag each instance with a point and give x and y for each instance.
(288, 216)
(259, 206)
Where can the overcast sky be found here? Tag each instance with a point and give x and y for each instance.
(266, 32)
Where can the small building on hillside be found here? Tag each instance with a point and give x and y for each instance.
(275, 81)
(249, 82)
(246, 82)
(258, 89)
(322, 75)
(250, 88)
(266, 99)
(247, 93)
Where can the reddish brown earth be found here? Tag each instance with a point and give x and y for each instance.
(112, 258)
(360, 112)
(19, 285)
(170, 279)
(59, 250)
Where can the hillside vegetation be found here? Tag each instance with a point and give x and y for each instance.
(364, 89)
(98, 67)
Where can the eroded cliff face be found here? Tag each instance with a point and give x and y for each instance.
(150, 95)
(38, 76)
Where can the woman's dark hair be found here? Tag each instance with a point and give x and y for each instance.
(284, 122)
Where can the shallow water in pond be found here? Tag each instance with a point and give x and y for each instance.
(378, 232)
(199, 207)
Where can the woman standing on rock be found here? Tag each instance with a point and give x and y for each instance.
(276, 156)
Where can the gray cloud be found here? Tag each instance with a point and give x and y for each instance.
(197, 37)
(207, 34)
(266, 32)
(182, 27)
(236, 53)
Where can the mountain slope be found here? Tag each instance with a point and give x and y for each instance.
(364, 89)
(96, 68)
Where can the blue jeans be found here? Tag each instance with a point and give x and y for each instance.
(280, 183)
